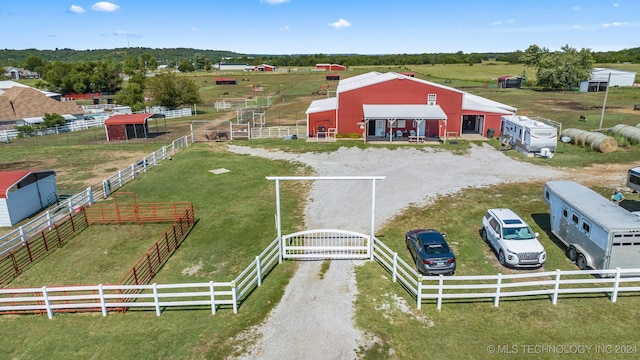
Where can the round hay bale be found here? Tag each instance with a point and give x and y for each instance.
(631, 133)
(594, 140)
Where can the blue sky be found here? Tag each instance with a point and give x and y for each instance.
(322, 26)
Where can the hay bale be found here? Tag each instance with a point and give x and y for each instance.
(594, 140)
(631, 133)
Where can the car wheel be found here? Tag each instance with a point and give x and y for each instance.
(418, 266)
(581, 261)
(483, 234)
(502, 259)
(572, 253)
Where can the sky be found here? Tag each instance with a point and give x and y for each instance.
(286, 27)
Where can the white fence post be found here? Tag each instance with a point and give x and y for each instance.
(419, 294)
(394, 272)
(556, 288)
(258, 271)
(47, 303)
(23, 239)
(616, 286)
(440, 290)
(496, 300)
(103, 304)
(234, 297)
(213, 298)
(156, 299)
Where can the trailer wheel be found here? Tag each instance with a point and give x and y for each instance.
(581, 261)
(572, 253)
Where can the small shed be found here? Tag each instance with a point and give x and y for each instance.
(508, 81)
(128, 126)
(226, 81)
(332, 77)
(265, 67)
(24, 193)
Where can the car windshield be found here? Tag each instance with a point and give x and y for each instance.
(436, 249)
(518, 233)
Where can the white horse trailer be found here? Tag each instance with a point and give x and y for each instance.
(598, 233)
(633, 179)
(528, 136)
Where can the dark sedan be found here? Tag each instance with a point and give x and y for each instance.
(430, 251)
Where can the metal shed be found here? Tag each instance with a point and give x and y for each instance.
(24, 193)
(128, 126)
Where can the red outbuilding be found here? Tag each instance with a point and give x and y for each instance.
(226, 81)
(331, 67)
(264, 67)
(391, 105)
(129, 126)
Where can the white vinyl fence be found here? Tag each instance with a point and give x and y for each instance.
(105, 298)
(7, 135)
(94, 193)
(550, 284)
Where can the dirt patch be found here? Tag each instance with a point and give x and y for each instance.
(21, 165)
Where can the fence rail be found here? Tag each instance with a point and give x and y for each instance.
(157, 255)
(89, 196)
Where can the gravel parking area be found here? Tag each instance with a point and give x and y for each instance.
(314, 320)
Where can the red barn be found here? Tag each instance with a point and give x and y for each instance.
(265, 67)
(331, 67)
(392, 105)
(129, 126)
(226, 81)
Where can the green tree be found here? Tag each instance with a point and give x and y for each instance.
(561, 69)
(171, 90)
(186, 66)
(51, 120)
(34, 63)
(131, 95)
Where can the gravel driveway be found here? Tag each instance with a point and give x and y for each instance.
(314, 320)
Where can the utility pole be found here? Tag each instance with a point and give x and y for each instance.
(604, 104)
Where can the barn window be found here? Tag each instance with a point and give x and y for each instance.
(402, 123)
(431, 99)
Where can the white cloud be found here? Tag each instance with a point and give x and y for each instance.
(342, 23)
(274, 2)
(285, 28)
(615, 24)
(76, 9)
(616, 4)
(105, 6)
(496, 23)
(576, 8)
(193, 29)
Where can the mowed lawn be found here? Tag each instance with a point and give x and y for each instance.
(101, 254)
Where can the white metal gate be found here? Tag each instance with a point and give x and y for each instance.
(326, 244)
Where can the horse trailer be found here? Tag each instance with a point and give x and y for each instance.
(633, 179)
(597, 233)
(528, 136)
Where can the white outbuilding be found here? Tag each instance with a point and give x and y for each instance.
(24, 193)
(600, 79)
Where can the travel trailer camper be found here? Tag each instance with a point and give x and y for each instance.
(598, 233)
(528, 136)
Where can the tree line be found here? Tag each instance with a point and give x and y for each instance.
(562, 69)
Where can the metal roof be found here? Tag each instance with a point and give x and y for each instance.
(126, 119)
(404, 111)
(322, 105)
(478, 103)
(8, 179)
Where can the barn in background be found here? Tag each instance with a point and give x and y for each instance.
(331, 67)
(129, 126)
(24, 193)
(508, 81)
(391, 106)
(603, 77)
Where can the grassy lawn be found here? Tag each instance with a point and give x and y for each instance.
(465, 330)
(101, 254)
(235, 213)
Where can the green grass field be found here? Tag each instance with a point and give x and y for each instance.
(235, 222)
